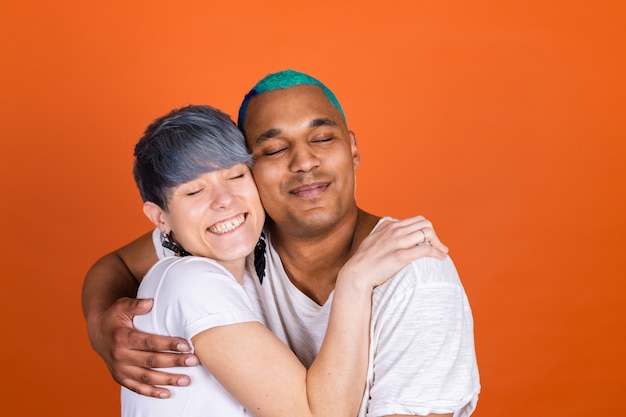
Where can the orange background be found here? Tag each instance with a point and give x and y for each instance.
(501, 121)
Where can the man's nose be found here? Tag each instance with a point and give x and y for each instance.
(303, 159)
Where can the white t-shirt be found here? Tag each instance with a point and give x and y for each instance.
(422, 356)
(191, 294)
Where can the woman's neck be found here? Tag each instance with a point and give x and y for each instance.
(236, 268)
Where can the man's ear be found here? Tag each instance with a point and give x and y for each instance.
(356, 156)
(156, 215)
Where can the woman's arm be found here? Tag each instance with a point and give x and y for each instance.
(109, 310)
(264, 375)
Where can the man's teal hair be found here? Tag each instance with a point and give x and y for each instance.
(280, 80)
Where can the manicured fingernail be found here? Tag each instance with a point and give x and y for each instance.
(182, 347)
(183, 382)
(164, 395)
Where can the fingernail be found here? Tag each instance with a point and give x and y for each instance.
(192, 361)
(164, 395)
(183, 382)
(182, 347)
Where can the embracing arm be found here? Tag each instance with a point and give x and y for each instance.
(116, 275)
(264, 376)
(268, 380)
(109, 308)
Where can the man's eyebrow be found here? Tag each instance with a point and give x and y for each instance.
(322, 122)
(266, 135)
(269, 134)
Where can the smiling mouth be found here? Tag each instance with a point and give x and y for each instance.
(310, 190)
(228, 225)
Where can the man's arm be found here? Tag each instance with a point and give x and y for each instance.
(108, 306)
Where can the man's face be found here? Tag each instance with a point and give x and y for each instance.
(305, 158)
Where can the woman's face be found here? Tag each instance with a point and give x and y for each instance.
(217, 215)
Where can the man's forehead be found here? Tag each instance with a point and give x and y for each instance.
(299, 100)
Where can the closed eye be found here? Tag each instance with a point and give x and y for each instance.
(328, 139)
(237, 172)
(322, 136)
(274, 152)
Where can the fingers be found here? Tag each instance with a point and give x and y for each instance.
(143, 381)
(422, 251)
(408, 232)
(143, 389)
(130, 354)
(144, 350)
(153, 359)
(133, 306)
(132, 368)
(392, 246)
(140, 341)
(423, 230)
(128, 337)
(433, 239)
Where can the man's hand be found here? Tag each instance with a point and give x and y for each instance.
(129, 354)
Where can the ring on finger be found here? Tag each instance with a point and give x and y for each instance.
(424, 233)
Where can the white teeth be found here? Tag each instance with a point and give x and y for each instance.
(227, 226)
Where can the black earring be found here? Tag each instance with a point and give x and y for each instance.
(259, 258)
(167, 241)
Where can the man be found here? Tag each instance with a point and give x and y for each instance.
(422, 358)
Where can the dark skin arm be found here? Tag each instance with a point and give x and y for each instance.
(109, 307)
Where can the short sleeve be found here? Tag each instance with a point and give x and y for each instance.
(424, 358)
(196, 294)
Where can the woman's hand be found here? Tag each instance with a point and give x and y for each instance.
(391, 247)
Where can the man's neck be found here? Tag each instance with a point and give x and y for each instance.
(313, 262)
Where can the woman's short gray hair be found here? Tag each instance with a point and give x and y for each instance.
(183, 144)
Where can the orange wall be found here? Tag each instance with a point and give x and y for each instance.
(503, 122)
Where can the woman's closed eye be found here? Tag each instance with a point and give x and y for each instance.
(237, 176)
(237, 172)
(194, 192)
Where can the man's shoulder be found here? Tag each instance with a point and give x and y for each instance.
(432, 270)
(426, 272)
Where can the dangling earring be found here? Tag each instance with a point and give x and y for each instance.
(259, 258)
(167, 241)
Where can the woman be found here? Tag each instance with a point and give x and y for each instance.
(192, 170)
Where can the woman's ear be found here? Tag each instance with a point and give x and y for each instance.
(156, 215)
